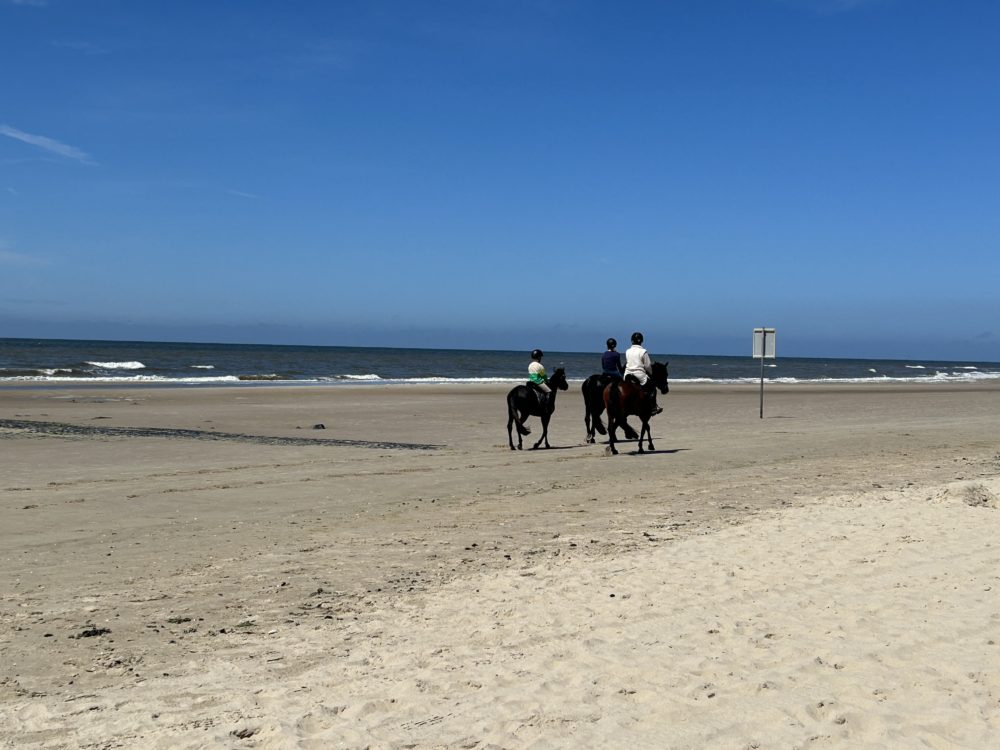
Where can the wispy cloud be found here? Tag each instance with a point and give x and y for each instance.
(33, 3)
(241, 194)
(48, 144)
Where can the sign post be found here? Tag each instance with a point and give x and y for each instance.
(763, 348)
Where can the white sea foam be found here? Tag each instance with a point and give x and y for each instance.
(466, 380)
(118, 365)
(121, 379)
(915, 367)
(202, 367)
(938, 377)
(375, 379)
(941, 377)
(60, 375)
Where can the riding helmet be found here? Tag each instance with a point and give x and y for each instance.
(537, 354)
(637, 338)
(612, 344)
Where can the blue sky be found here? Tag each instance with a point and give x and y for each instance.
(504, 173)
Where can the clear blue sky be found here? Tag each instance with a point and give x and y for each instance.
(505, 173)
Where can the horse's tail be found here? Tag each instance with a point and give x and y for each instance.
(512, 415)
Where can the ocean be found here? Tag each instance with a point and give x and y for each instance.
(46, 361)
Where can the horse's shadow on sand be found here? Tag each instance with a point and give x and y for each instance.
(662, 451)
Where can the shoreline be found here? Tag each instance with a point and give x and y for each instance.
(505, 385)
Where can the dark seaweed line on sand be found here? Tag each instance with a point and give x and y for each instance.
(59, 428)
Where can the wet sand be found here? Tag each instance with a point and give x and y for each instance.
(204, 567)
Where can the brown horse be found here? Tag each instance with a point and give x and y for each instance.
(626, 397)
(593, 407)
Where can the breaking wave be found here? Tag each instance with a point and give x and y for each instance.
(118, 365)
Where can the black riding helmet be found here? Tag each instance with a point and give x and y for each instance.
(612, 344)
(537, 354)
(637, 338)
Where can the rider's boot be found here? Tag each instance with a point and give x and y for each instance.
(656, 408)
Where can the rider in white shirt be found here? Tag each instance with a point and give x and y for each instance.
(640, 366)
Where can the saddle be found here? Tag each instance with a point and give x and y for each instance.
(649, 389)
(541, 395)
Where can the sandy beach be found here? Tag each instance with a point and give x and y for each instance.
(204, 567)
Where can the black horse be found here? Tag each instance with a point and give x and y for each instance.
(593, 404)
(627, 397)
(522, 402)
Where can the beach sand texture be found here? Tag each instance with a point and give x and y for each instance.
(189, 568)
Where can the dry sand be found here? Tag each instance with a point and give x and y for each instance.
(826, 577)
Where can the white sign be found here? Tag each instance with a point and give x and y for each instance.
(763, 343)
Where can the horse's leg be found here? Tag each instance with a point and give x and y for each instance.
(642, 432)
(612, 426)
(545, 432)
(510, 423)
(520, 417)
(595, 423)
(630, 434)
(598, 424)
(587, 423)
(521, 414)
(649, 436)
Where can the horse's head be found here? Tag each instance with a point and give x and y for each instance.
(558, 379)
(660, 376)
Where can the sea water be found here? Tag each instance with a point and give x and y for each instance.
(46, 361)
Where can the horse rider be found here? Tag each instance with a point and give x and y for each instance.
(639, 367)
(537, 379)
(611, 362)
